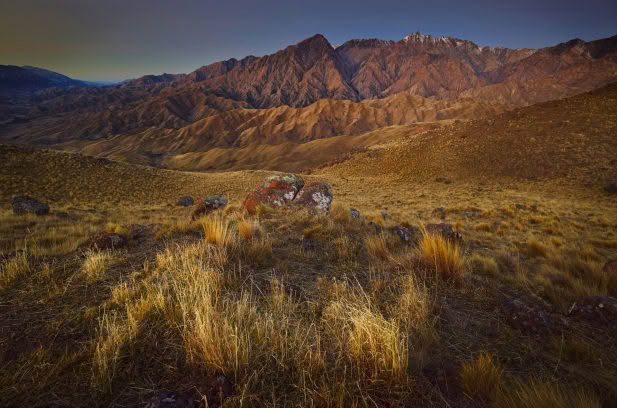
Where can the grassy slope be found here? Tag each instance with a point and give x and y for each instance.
(302, 310)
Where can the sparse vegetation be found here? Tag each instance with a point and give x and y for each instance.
(444, 255)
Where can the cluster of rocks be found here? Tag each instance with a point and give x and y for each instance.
(289, 189)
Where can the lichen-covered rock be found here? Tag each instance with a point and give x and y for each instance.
(208, 205)
(185, 201)
(29, 205)
(316, 197)
(445, 230)
(106, 240)
(277, 191)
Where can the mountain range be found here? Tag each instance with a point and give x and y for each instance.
(303, 93)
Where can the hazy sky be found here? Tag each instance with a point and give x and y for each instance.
(119, 39)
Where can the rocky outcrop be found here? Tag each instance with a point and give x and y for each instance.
(208, 205)
(185, 201)
(27, 205)
(276, 191)
(316, 197)
(105, 240)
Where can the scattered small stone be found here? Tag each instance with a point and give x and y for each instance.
(29, 205)
(520, 206)
(208, 205)
(185, 201)
(316, 197)
(439, 212)
(611, 188)
(171, 400)
(407, 235)
(355, 214)
(106, 240)
(386, 215)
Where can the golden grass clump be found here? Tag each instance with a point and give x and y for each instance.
(376, 345)
(95, 264)
(536, 248)
(249, 229)
(444, 255)
(13, 268)
(378, 246)
(217, 231)
(481, 378)
(486, 263)
(539, 393)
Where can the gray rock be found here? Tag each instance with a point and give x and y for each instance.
(185, 201)
(27, 205)
(407, 235)
(355, 214)
(445, 230)
(171, 400)
(208, 205)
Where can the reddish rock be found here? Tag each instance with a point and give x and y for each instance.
(208, 205)
(277, 191)
(106, 240)
(316, 197)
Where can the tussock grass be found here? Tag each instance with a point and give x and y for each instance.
(14, 268)
(378, 246)
(96, 263)
(442, 254)
(536, 248)
(217, 231)
(249, 229)
(538, 393)
(481, 377)
(486, 263)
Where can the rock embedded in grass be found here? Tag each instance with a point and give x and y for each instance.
(208, 205)
(185, 201)
(407, 235)
(276, 191)
(106, 240)
(28, 205)
(445, 230)
(355, 214)
(316, 197)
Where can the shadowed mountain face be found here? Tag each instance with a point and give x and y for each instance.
(18, 83)
(170, 107)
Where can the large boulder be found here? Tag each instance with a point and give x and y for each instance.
(106, 240)
(185, 201)
(315, 197)
(28, 205)
(208, 205)
(277, 191)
